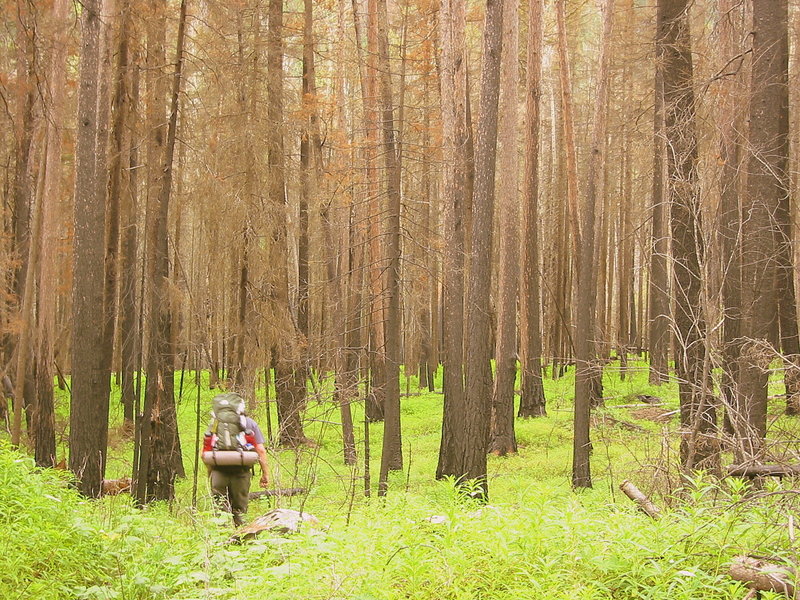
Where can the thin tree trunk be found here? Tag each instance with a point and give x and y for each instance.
(729, 242)
(244, 373)
(658, 289)
(625, 300)
(309, 146)
(453, 101)
(392, 454)
(23, 174)
(129, 331)
(584, 305)
(783, 232)
(290, 380)
(502, 438)
(118, 188)
(428, 346)
(44, 419)
(699, 447)
(478, 376)
(108, 178)
(343, 385)
(25, 357)
(532, 402)
(568, 121)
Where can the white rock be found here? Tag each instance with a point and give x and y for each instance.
(279, 520)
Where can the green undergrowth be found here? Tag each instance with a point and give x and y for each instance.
(426, 540)
(558, 544)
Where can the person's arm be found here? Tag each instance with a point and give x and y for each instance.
(262, 460)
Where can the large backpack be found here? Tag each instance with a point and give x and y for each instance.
(228, 424)
(226, 443)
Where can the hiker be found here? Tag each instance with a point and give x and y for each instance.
(232, 446)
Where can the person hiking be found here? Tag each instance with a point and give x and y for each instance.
(232, 445)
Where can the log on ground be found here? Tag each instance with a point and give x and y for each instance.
(759, 470)
(644, 503)
(764, 576)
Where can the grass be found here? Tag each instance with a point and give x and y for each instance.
(536, 539)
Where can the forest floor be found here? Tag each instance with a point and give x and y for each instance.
(536, 539)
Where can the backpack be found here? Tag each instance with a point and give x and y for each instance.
(228, 424)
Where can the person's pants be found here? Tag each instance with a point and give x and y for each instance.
(230, 489)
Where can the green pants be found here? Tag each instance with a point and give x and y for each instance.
(230, 487)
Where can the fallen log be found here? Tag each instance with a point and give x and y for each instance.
(756, 470)
(278, 520)
(620, 423)
(644, 503)
(277, 492)
(763, 576)
(637, 405)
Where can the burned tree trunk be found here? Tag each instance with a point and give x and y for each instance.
(699, 448)
(532, 402)
(502, 438)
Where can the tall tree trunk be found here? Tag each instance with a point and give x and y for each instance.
(309, 150)
(625, 294)
(532, 402)
(503, 440)
(369, 87)
(339, 265)
(44, 418)
(478, 376)
(25, 358)
(161, 455)
(290, 381)
(658, 283)
(118, 188)
(777, 88)
(731, 124)
(128, 323)
(570, 152)
(392, 454)
(584, 304)
(699, 448)
(429, 347)
(109, 180)
(767, 187)
(249, 97)
(452, 66)
(89, 407)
